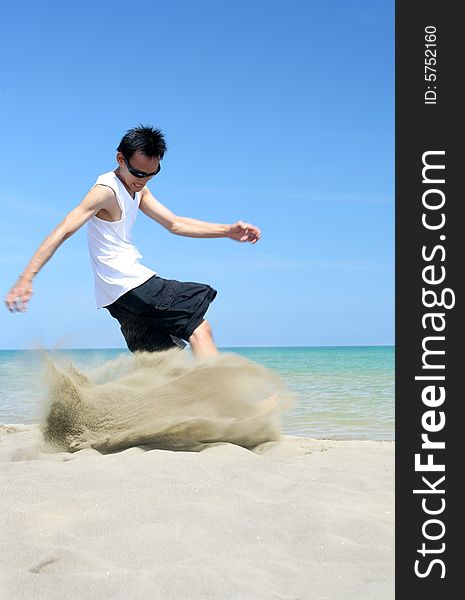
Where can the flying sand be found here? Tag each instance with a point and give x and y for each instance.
(165, 400)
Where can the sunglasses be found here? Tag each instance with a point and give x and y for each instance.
(140, 174)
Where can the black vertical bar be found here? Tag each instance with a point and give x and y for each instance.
(429, 119)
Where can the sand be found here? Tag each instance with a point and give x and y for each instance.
(293, 519)
(168, 400)
(162, 477)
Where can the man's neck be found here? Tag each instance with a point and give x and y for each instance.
(118, 174)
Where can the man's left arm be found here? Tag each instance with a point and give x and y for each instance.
(185, 226)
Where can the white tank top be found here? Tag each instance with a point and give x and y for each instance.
(114, 258)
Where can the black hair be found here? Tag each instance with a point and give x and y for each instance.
(144, 138)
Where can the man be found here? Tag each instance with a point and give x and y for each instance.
(154, 313)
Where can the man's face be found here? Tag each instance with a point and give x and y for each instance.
(138, 162)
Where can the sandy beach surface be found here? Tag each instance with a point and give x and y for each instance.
(292, 519)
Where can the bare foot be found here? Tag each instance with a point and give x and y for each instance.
(267, 405)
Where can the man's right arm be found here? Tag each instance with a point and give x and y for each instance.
(99, 197)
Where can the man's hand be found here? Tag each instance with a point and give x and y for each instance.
(244, 232)
(19, 295)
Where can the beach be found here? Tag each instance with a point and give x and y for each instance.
(295, 518)
(140, 481)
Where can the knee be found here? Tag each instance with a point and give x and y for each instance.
(203, 331)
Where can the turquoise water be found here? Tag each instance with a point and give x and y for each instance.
(344, 392)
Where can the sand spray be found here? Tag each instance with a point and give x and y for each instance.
(167, 400)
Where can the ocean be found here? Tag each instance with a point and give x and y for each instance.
(344, 392)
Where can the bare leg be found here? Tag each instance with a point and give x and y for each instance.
(202, 345)
(201, 341)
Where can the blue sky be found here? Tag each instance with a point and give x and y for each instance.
(280, 114)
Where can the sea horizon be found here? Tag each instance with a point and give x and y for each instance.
(219, 347)
(343, 392)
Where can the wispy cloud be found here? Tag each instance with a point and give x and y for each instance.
(29, 208)
(285, 195)
(277, 262)
(5, 260)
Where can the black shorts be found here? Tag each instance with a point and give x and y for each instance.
(157, 311)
